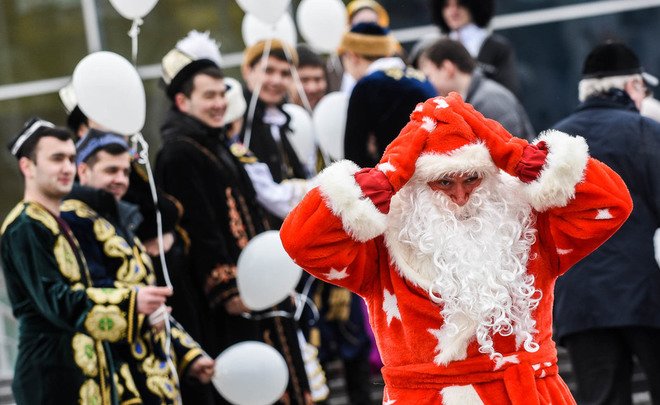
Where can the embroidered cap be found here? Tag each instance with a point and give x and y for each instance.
(96, 140)
(191, 54)
(31, 128)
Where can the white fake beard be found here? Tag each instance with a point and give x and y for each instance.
(471, 259)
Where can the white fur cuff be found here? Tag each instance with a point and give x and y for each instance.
(563, 170)
(360, 217)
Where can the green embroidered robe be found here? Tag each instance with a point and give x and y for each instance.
(65, 325)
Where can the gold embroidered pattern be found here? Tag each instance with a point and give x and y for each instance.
(11, 217)
(66, 259)
(235, 222)
(90, 393)
(125, 372)
(84, 354)
(159, 379)
(40, 214)
(103, 229)
(131, 272)
(106, 323)
(184, 339)
(220, 274)
(116, 246)
(80, 208)
(108, 295)
(339, 304)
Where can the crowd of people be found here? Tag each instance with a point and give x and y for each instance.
(442, 254)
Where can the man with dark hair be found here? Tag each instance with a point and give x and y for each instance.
(313, 77)
(385, 93)
(467, 21)
(608, 307)
(221, 212)
(67, 324)
(449, 67)
(266, 133)
(104, 226)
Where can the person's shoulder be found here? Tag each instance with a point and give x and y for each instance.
(27, 217)
(72, 207)
(490, 88)
(497, 41)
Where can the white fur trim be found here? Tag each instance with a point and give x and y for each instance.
(466, 159)
(460, 395)
(428, 124)
(563, 170)
(440, 102)
(359, 216)
(386, 167)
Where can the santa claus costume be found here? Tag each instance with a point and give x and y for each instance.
(460, 297)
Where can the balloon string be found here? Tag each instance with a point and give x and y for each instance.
(255, 95)
(307, 105)
(133, 33)
(303, 298)
(138, 139)
(267, 315)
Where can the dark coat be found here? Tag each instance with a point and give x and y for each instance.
(379, 108)
(498, 61)
(280, 156)
(619, 284)
(220, 216)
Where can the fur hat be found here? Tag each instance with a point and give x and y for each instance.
(256, 50)
(368, 39)
(356, 5)
(614, 59)
(191, 54)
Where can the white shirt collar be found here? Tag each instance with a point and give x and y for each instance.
(471, 36)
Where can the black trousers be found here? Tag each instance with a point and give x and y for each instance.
(603, 363)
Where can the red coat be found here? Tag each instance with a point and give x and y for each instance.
(336, 235)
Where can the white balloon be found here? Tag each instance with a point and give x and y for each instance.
(266, 275)
(254, 30)
(133, 9)
(322, 23)
(267, 11)
(110, 92)
(302, 135)
(251, 373)
(330, 123)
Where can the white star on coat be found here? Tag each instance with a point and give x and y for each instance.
(604, 214)
(388, 401)
(337, 274)
(441, 103)
(390, 306)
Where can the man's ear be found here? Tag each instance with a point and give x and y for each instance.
(25, 165)
(83, 173)
(449, 67)
(181, 102)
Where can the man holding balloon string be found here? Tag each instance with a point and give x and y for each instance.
(221, 213)
(104, 226)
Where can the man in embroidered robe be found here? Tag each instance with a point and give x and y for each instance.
(66, 325)
(455, 240)
(104, 225)
(221, 211)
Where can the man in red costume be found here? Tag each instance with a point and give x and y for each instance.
(455, 240)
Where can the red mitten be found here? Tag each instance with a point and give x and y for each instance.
(505, 149)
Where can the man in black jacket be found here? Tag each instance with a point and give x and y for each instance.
(608, 307)
(221, 214)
